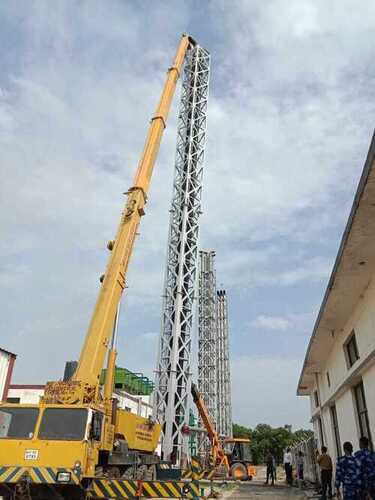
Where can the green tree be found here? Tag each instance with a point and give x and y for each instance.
(265, 438)
(239, 431)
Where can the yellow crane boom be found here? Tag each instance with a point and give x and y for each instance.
(100, 329)
(85, 383)
(77, 434)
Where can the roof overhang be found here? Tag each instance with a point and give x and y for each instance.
(351, 275)
(8, 352)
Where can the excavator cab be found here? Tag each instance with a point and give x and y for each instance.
(240, 459)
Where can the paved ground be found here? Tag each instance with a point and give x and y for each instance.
(258, 491)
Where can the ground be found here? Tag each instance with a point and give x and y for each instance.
(258, 491)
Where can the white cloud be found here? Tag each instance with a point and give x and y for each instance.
(290, 116)
(278, 323)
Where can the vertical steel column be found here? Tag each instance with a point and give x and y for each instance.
(224, 396)
(172, 388)
(207, 340)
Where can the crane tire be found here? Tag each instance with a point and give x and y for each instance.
(239, 472)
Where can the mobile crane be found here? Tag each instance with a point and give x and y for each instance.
(237, 464)
(76, 433)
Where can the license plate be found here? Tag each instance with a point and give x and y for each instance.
(31, 454)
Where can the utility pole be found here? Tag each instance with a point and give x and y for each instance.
(173, 376)
(224, 395)
(207, 341)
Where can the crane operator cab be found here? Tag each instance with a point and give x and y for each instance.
(37, 436)
(240, 459)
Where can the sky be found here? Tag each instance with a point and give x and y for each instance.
(290, 118)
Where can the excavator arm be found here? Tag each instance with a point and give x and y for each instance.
(217, 452)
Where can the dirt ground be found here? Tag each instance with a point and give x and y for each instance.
(258, 491)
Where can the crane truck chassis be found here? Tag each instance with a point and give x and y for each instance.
(76, 443)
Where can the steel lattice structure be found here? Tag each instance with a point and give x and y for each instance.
(207, 339)
(173, 376)
(224, 399)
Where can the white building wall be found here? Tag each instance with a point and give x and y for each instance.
(139, 405)
(346, 418)
(369, 385)
(135, 404)
(343, 379)
(26, 395)
(5, 358)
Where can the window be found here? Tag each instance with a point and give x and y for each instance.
(320, 428)
(63, 423)
(96, 426)
(13, 400)
(362, 413)
(316, 399)
(17, 423)
(351, 350)
(335, 428)
(328, 380)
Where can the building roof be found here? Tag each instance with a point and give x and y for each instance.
(26, 386)
(8, 352)
(351, 274)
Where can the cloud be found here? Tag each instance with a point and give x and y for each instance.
(271, 323)
(290, 117)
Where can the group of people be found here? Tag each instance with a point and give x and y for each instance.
(271, 467)
(355, 474)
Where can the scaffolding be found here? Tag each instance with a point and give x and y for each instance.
(172, 381)
(224, 399)
(207, 340)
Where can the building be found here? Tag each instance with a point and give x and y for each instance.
(132, 391)
(7, 360)
(30, 394)
(338, 373)
(25, 394)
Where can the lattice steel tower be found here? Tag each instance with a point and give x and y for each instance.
(224, 396)
(207, 338)
(173, 384)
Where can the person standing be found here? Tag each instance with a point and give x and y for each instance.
(274, 467)
(347, 474)
(300, 461)
(325, 466)
(366, 464)
(269, 464)
(288, 466)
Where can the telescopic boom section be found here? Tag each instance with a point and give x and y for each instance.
(99, 333)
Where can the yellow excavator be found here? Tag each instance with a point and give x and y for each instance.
(230, 455)
(55, 449)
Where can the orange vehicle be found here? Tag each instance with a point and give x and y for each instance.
(236, 461)
(240, 458)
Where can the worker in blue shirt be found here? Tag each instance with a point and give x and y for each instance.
(366, 464)
(347, 474)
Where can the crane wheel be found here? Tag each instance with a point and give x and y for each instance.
(239, 472)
